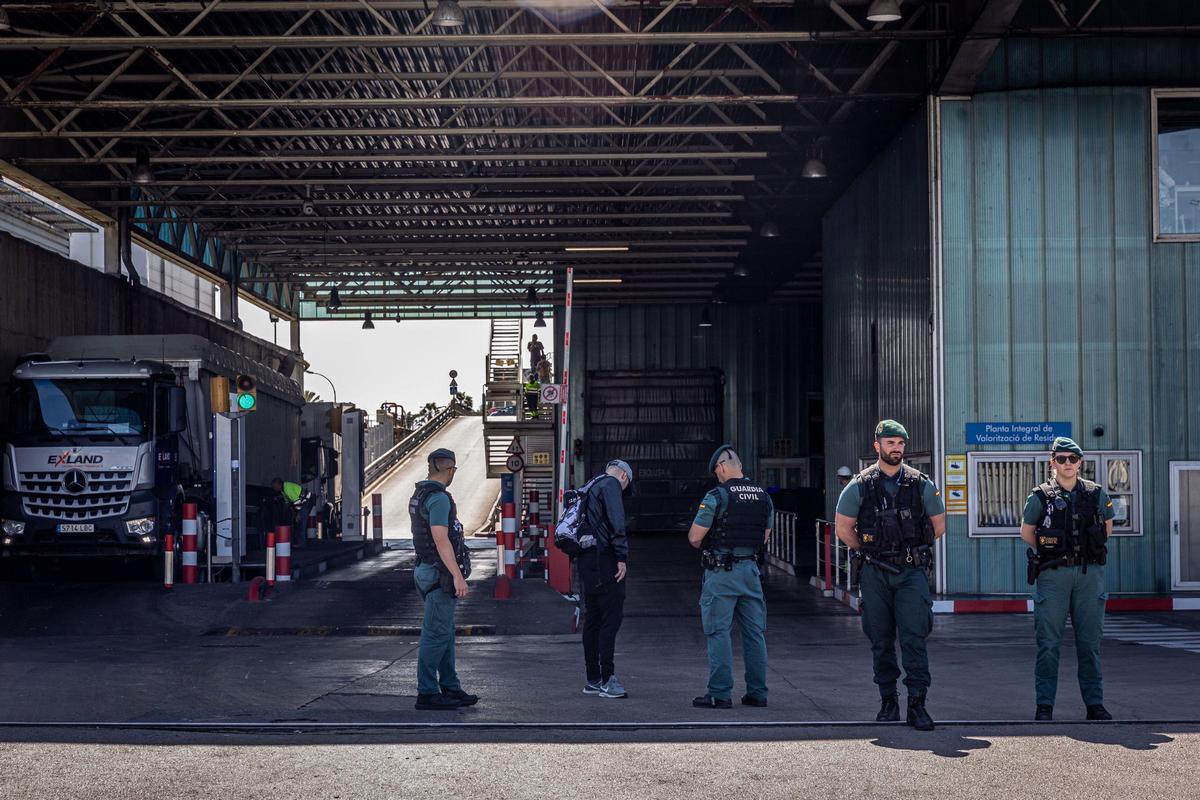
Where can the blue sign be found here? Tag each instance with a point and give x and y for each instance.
(1015, 432)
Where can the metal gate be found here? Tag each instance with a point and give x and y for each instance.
(1185, 524)
(665, 423)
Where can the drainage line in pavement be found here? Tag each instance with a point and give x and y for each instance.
(317, 727)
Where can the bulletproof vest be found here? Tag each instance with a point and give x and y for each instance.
(1072, 530)
(888, 526)
(421, 530)
(746, 516)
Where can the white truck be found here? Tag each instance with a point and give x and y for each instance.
(109, 436)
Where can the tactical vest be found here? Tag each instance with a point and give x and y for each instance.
(745, 518)
(888, 527)
(422, 531)
(1069, 530)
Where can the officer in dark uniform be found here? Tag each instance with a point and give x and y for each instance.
(890, 515)
(732, 525)
(441, 555)
(1068, 520)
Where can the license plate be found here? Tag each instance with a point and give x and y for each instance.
(76, 527)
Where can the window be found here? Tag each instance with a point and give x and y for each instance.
(1176, 120)
(999, 483)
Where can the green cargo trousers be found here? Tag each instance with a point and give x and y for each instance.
(728, 594)
(435, 654)
(1057, 592)
(894, 604)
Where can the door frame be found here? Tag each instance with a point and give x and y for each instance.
(1176, 467)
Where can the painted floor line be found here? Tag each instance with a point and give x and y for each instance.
(680, 725)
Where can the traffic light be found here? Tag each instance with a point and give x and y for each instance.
(247, 393)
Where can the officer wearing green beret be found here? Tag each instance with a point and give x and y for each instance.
(890, 515)
(441, 559)
(1067, 521)
(732, 524)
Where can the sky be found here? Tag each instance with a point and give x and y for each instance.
(401, 362)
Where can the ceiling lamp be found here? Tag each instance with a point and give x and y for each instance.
(398, 316)
(368, 325)
(705, 320)
(334, 302)
(531, 297)
(769, 229)
(741, 271)
(881, 11)
(5, 22)
(142, 175)
(448, 15)
(540, 322)
(814, 167)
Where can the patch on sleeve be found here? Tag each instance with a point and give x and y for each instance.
(702, 505)
(1110, 503)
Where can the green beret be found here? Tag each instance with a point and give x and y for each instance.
(1065, 444)
(442, 452)
(889, 427)
(716, 456)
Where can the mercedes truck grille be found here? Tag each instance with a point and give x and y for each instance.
(76, 494)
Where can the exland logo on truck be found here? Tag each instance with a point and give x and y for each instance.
(104, 450)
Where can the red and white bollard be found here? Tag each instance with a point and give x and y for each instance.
(270, 558)
(506, 542)
(169, 561)
(377, 516)
(190, 534)
(311, 531)
(535, 507)
(283, 553)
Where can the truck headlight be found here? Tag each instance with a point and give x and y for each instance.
(12, 527)
(140, 527)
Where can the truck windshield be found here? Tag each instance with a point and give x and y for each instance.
(48, 410)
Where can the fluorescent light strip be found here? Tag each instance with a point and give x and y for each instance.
(599, 280)
(620, 248)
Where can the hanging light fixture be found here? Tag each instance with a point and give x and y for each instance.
(531, 296)
(334, 302)
(814, 167)
(448, 14)
(540, 322)
(368, 325)
(741, 271)
(884, 11)
(397, 316)
(705, 320)
(142, 174)
(769, 229)
(5, 22)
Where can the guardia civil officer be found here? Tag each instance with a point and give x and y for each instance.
(890, 515)
(1068, 520)
(438, 540)
(732, 524)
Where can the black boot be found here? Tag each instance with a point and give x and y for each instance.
(436, 702)
(889, 709)
(1044, 713)
(918, 717)
(1098, 711)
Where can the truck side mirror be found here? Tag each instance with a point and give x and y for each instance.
(177, 409)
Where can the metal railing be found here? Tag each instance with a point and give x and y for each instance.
(833, 560)
(379, 467)
(784, 545)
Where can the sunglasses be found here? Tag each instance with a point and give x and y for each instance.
(1066, 459)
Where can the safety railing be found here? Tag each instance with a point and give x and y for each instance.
(833, 561)
(784, 545)
(379, 467)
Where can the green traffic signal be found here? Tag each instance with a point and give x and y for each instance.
(245, 402)
(247, 393)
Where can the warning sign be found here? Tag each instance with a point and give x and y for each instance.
(515, 463)
(514, 448)
(956, 484)
(552, 393)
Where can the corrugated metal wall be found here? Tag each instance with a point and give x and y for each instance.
(878, 345)
(1100, 62)
(770, 356)
(1058, 304)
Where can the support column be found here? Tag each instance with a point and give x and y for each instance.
(294, 326)
(112, 248)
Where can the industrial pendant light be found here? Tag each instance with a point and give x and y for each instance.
(884, 11)
(142, 175)
(741, 271)
(368, 325)
(334, 302)
(540, 322)
(814, 167)
(397, 316)
(705, 320)
(448, 15)
(531, 297)
(5, 22)
(769, 229)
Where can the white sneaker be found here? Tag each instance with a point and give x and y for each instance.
(613, 689)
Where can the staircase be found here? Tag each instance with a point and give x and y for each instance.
(504, 354)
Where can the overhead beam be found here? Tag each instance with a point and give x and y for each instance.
(481, 201)
(424, 156)
(973, 54)
(431, 180)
